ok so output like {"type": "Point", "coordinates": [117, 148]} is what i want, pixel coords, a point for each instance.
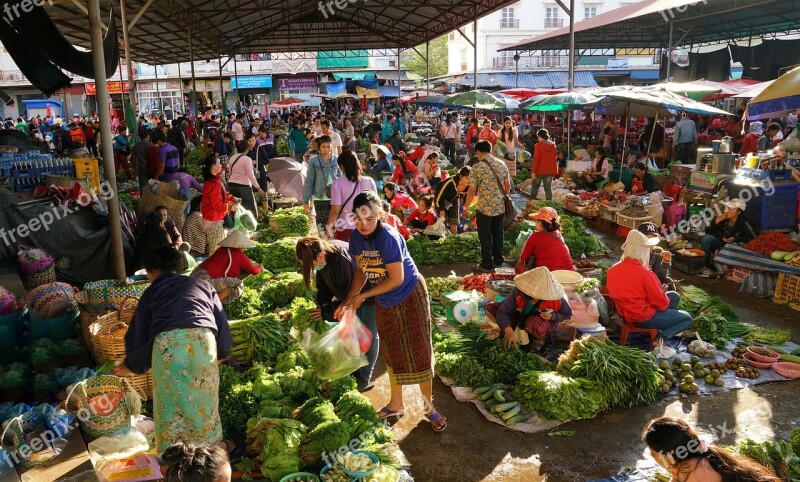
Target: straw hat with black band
{"type": "Point", "coordinates": [237, 239]}
{"type": "Point", "coordinates": [539, 284]}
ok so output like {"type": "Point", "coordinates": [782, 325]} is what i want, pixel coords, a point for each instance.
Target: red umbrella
{"type": "Point", "coordinates": [522, 93]}
{"type": "Point", "coordinates": [289, 102]}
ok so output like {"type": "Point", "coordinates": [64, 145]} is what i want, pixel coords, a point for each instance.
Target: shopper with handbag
{"type": "Point", "coordinates": [225, 266]}
{"type": "Point", "coordinates": [340, 223]}
{"type": "Point", "coordinates": [242, 179]}
{"type": "Point", "coordinates": [217, 205]}
{"type": "Point", "coordinates": [489, 181]}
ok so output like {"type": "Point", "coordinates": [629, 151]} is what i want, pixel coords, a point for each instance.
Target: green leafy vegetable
{"type": "Point", "coordinates": [260, 338]}
{"type": "Point", "coordinates": [462, 248]}
{"type": "Point", "coordinates": [282, 289]}
{"type": "Point", "coordinates": [290, 222]}
{"type": "Point", "coordinates": [558, 397]}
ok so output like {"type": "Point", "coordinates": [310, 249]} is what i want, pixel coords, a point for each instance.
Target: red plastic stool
{"type": "Point", "coordinates": [632, 328]}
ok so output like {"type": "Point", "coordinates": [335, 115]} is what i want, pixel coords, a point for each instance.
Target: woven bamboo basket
{"type": "Point", "coordinates": [87, 318]}
{"type": "Point", "coordinates": [107, 343]}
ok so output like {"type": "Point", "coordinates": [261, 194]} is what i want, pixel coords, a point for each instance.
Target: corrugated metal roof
{"type": "Point", "coordinates": [527, 80]}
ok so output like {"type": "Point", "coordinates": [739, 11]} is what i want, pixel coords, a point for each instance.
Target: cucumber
{"type": "Point", "coordinates": [516, 419]}
{"type": "Point", "coordinates": [507, 415]}
{"type": "Point", "coordinates": [488, 395]}
{"type": "Point", "coordinates": [482, 390]}
{"type": "Point", "coordinates": [499, 395]}
{"type": "Point", "coordinates": [504, 407]}
{"type": "Point", "coordinates": [790, 358]}
{"type": "Point", "coordinates": [491, 403]}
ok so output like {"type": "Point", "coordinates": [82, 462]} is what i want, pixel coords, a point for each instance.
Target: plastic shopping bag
{"type": "Point", "coordinates": [122, 445]}
{"type": "Point", "coordinates": [584, 310]}
{"type": "Point", "coordinates": [245, 221]}
{"type": "Point", "coordinates": [339, 351]}
{"type": "Point", "coordinates": [519, 245]}
{"type": "Point", "coordinates": [437, 229]}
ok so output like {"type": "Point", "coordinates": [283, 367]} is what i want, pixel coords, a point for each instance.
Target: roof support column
{"type": "Point", "coordinates": [103, 101]}
{"type": "Point", "coordinates": [222, 108]}
{"type": "Point", "coordinates": [236, 75]}
{"type": "Point", "coordinates": [131, 86]}
{"type": "Point", "coordinates": [669, 51]}
{"type": "Point", "coordinates": [194, 86]}
{"type": "Point", "coordinates": [571, 80]}
{"type": "Point", "coordinates": [180, 86]}
{"type": "Point", "coordinates": [158, 89]}
{"type": "Point", "coordinates": [398, 75]}
{"type": "Point", "coordinates": [475, 57]}
{"type": "Point", "coordinates": [427, 68]}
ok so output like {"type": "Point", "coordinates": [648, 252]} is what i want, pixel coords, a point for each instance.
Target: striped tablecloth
{"type": "Point", "coordinates": [762, 282]}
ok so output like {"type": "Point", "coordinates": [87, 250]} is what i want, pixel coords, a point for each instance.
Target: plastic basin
{"type": "Point", "coordinates": [787, 369]}
{"type": "Point", "coordinates": [567, 279]}
{"type": "Point", "coordinates": [366, 473]}
{"type": "Point", "coordinates": [748, 358]}
{"type": "Point", "coordinates": [772, 358]}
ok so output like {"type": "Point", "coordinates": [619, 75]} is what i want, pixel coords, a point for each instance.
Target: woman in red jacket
{"type": "Point", "coordinates": [216, 202]}
{"type": "Point", "coordinates": [545, 165]}
{"type": "Point", "coordinates": [640, 297]}
{"type": "Point", "coordinates": [545, 247]}
{"type": "Point", "coordinates": [750, 141]}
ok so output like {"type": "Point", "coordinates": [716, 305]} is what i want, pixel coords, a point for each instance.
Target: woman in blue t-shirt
{"type": "Point", "coordinates": [403, 312]}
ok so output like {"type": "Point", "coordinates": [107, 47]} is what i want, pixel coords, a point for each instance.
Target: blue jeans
{"type": "Point", "coordinates": [671, 321]}
{"type": "Point", "coordinates": [710, 244]}
{"type": "Point", "coordinates": [367, 316]}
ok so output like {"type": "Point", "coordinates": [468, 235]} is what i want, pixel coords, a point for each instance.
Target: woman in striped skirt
{"type": "Point", "coordinates": [385, 270]}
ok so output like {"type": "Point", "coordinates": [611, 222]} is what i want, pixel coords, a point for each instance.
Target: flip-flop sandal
{"type": "Point", "coordinates": [438, 422]}
{"type": "Point", "coordinates": [385, 413]}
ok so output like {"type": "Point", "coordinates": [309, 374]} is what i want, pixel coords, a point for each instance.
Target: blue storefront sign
{"type": "Point", "coordinates": [251, 82]}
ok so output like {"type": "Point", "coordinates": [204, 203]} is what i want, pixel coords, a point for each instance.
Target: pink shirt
{"type": "Point", "coordinates": [343, 190]}
{"type": "Point", "coordinates": [242, 171]}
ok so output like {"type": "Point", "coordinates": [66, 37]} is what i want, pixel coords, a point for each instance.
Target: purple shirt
{"type": "Point", "coordinates": [171, 160]}
{"type": "Point", "coordinates": [386, 246]}
{"type": "Point", "coordinates": [343, 190]}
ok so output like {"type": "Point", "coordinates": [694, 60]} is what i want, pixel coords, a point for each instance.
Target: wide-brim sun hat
{"type": "Point", "coordinates": [539, 284]}
{"type": "Point", "coordinates": [636, 246]}
{"type": "Point", "coordinates": [237, 239]}
{"type": "Point", "coordinates": [546, 214]}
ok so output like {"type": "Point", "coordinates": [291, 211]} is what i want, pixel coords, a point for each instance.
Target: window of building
{"type": "Point", "coordinates": [551, 19]}
{"type": "Point", "coordinates": [589, 11]}
{"type": "Point", "coordinates": [507, 18]}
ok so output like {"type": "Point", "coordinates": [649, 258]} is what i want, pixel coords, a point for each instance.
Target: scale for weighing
{"type": "Point", "coordinates": [460, 307]}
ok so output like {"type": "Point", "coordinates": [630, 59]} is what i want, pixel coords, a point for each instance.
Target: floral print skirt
{"type": "Point", "coordinates": [186, 394]}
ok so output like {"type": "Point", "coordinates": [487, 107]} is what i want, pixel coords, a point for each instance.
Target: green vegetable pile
{"type": "Point", "coordinates": [294, 356]}
{"type": "Point", "coordinates": [462, 248]}
{"type": "Point", "coordinates": [276, 257]}
{"type": "Point", "coordinates": [301, 319]}
{"type": "Point", "coordinates": [290, 222]}
{"type": "Point", "coordinates": [282, 289]}
{"type": "Point", "coordinates": [769, 336]}
{"type": "Point", "coordinates": [588, 284]}
{"type": "Point", "coordinates": [627, 376]}
{"type": "Point", "coordinates": [578, 239]}
{"type": "Point", "coordinates": [557, 397]}
{"type": "Point", "coordinates": [245, 306]}
{"type": "Point", "coordinates": [782, 456]}
{"type": "Point", "coordinates": [471, 358]}
{"type": "Point", "coordinates": [15, 375]}
{"type": "Point", "coordinates": [236, 400]}
{"type": "Point", "coordinates": [510, 237]}
{"type": "Point", "coordinates": [277, 441]}
{"type": "Point", "coordinates": [261, 339]}
{"type": "Point", "coordinates": [714, 320]}
{"type": "Point", "coordinates": [437, 287]}
{"type": "Point", "coordinates": [266, 235]}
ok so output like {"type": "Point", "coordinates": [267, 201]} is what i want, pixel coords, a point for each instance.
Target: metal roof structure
{"type": "Point", "coordinates": [160, 29]}
{"type": "Point", "coordinates": [647, 24]}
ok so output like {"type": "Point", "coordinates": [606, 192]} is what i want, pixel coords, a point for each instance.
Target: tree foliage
{"type": "Point", "coordinates": [437, 54]}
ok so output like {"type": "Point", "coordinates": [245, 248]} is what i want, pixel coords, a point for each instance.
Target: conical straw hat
{"type": "Point", "coordinates": [539, 283]}
{"type": "Point", "coordinates": [236, 239]}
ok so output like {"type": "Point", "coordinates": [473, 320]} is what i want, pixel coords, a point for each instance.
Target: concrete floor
{"type": "Point", "coordinates": [473, 449]}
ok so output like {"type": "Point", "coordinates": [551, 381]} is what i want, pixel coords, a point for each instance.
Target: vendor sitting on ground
{"type": "Point", "coordinates": [639, 296]}
{"type": "Point", "coordinates": [598, 172]}
{"type": "Point", "coordinates": [172, 230]}
{"type": "Point", "coordinates": [729, 227]}
{"type": "Point", "coordinates": [534, 307]}
{"type": "Point", "coordinates": [395, 222]}
{"type": "Point", "coordinates": [660, 258]}
{"type": "Point", "coordinates": [780, 153]}
{"type": "Point", "coordinates": [399, 200]}
{"type": "Point", "coordinates": [422, 217]}
{"type": "Point", "coordinates": [192, 230]}
{"type": "Point", "coordinates": [229, 259]}
{"type": "Point", "coordinates": [642, 182]}
{"type": "Point", "coordinates": [152, 237]}
{"type": "Point", "coordinates": [546, 246]}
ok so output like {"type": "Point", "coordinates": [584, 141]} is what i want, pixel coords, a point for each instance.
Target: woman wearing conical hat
{"type": "Point", "coordinates": [532, 310]}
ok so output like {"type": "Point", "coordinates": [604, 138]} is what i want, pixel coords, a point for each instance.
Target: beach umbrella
{"type": "Point", "coordinates": [432, 101]}
{"type": "Point", "coordinates": [692, 90]}
{"type": "Point", "coordinates": [288, 176]}
{"type": "Point", "coordinates": [477, 99]}
{"type": "Point", "coordinates": [778, 99]}
{"type": "Point", "coordinates": [568, 101]}
{"type": "Point", "coordinates": [289, 102]}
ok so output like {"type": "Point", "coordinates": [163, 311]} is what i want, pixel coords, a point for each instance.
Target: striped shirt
{"type": "Point", "coordinates": [193, 233]}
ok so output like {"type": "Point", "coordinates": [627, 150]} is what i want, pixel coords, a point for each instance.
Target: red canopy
{"type": "Point", "coordinates": [729, 88]}
{"type": "Point", "coordinates": [523, 93]}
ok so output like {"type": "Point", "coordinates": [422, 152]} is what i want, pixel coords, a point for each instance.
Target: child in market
{"type": "Point", "coordinates": [188, 463]}
{"type": "Point", "coordinates": [422, 217]}
{"type": "Point", "coordinates": [395, 222]}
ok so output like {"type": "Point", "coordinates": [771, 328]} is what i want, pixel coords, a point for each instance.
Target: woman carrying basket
{"type": "Point", "coordinates": [179, 330]}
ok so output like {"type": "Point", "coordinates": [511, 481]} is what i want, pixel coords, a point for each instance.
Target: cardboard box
{"type": "Point", "coordinates": [72, 461]}
{"type": "Point", "coordinates": [87, 171]}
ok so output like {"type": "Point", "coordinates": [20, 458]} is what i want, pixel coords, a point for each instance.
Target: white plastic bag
{"type": "Point", "coordinates": [584, 310]}
{"type": "Point", "coordinates": [339, 351]}
{"type": "Point", "coordinates": [123, 445]}
{"type": "Point", "coordinates": [437, 229]}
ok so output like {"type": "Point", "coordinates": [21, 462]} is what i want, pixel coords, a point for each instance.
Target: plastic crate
{"type": "Point", "coordinates": [737, 274]}
{"type": "Point", "coordinates": [774, 174]}
{"type": "Point", "coordinates": [632, 223]}
{"type": "Point", "coordinates": [24, 187]}
{"type": "Point", "coordinates": [688, 264]}
{"type": "Point", "coordinates": [18, 173]}
{"type": "Point", "coordinates": [623, 231]}
{"type": "Point", "coordinates": [787, 291]}
{"type": "Point", "coordinates": [605, 213]}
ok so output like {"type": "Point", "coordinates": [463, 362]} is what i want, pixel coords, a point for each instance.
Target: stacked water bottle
{"type": "Point", "coordinates": [30, 169]}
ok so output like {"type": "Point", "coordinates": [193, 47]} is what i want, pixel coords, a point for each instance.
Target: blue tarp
{"type": "Point", "coordinates": [390, 91]}
{"type": "Point", "coordinates": [549, 80]}
{"type": "Point", "coordinates": [644, 75]}
{"type": "Point", "coordinates": [335, 88]}
{"type": "Point", "coordinates": [368, 84]}
{"type": "Point", "coordinates": [763, 281]}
